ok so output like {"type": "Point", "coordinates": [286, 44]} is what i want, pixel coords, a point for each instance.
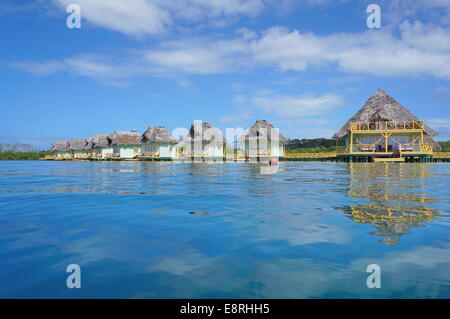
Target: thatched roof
{"type": "Point", "coordinates": [80, 144]}
{"type": "Point", "coordinates": [378, 108]}
{"type": "Point", "coordinates": [59, 146]}
{"type": "Point", "coordinates": [99, 140]}
{"type": "Point", "coordinates": [261, 130]}
{"type": "Point", "coordinates": [205, 132]}
{"type": "Point", "coordinates": [158, 134]}
{"type": "Point", "coordinates": [125, 138]}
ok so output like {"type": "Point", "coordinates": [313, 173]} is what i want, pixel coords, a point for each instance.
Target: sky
{"type": "Point", "coordinates": [306, 66]}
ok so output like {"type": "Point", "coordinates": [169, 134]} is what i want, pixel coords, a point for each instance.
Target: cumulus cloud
{"type": "Point", "coordinates": [416, 50]}
{"type": "Point", "coordinates": [134, 17]}
{"type": "Point", "coordinates": [152, 17]}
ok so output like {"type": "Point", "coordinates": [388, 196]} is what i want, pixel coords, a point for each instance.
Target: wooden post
{"type": "Point", "coordinates": [351, 142]}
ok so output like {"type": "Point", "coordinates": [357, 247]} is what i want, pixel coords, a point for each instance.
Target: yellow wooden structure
{"type": "Point", "coordinates": [385, 139]}
{"type": "Point", "coordinates": [310, 155]}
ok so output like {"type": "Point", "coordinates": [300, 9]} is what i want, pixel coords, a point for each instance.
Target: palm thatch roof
{"type": "Point", "coordinates": [381, 107]}
{"type": "Point", "coordinates": [59, 146]}
{"type": "Point", "coordinates": [81, 144]}
{"type": "Point", "coordinates": [99, 140]}
{"type": "Point", "coordinates": [158, 134]}
{"type": "Point", "coordinates": [204, 132]}
{"type": "Point", "coordinates": [261, 130]}
{"type": "Point", "coordinates": [125, 138]}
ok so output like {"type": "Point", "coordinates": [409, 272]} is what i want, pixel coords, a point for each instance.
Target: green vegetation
{"type": "Point", "coordinates": [22, 156]}
{"type": "Point", "coordinates": [311, 150]}
{"type": "Point", "coordinates": [445, 145]}
{"type": "Point", "coordinates": [315, 145]}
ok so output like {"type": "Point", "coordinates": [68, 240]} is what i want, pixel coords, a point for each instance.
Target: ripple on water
{"type": "Point", "coordinates": [309, 230]}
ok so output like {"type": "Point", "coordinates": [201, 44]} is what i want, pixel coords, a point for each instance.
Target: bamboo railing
{"type": "Point", "coordinates": [386, 126]}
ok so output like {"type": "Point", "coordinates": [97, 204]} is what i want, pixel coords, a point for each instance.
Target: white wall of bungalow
{"type": "Point", "coordinates": [262, 139]}
{"type": "Point", "coordinates": [164, 150]}
{"type": "Point", "coordinates": [157, 141]}
{"type": "Point", "coordinates": [127, 151]}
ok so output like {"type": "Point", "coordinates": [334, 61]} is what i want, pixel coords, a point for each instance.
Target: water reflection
{"type": "Point", "coordinates": [397, 197]}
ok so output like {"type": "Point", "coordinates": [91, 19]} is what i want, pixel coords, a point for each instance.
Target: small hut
{"type": "Point", "coordinates": [59, 149]}
{"type": "Point", "coordinates": [100, 146]}
{"type": "Point", "coordinates": [79, 148]}
{"type": "Point", "coordinates": [262, 140]}
{"type": "Point", "coordinates": [203, 141]}
{"type": "Point", "coordinates": [126, 144]}
{"type": "Point", "coordinates": [157, 142]}
{"type": "Point", "coordinates": [384, 128]}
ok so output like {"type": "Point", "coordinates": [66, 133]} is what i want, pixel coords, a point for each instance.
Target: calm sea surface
{"type": "Point", "coordinates": [164, 230]}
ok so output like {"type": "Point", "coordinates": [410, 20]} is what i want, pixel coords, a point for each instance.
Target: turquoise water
{"type": "Point", "coordinates": [163, 230]}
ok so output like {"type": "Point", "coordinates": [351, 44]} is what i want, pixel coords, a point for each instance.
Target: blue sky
{"type": "Point", "coordinates": [306, 65]}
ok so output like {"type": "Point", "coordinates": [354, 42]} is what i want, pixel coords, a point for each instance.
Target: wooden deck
{"type": "Point", "coordinates": [381, 159]}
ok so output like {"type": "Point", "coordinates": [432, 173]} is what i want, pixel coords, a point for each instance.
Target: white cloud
{"type": "Point", "coordinates": [152, 17]}
{"type": "Point", "coordinates": [442, 126]}
{"type": "Point", "coordinates": [396, 11]}
{"type": "Point", "coordinates": [418, 50]}
{"type": "Point", "coordinates": [40, 68]}
{"type": "Point", "coordinates": [237, 116]}
{"type": "Point", "coordinates": [296, 106]}
{"type": "Point", "coordinates": [442, 93]}
{"type": "Point", "coordinates": [201, 9]}
{"type": "Point", "coordinates": [197, 56]}
{"type": "Point", "coordinates": [133, 17]}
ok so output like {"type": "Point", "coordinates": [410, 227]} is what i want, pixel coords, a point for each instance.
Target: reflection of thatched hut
{"type": "Point", "coordinates": [126, 144]}
{"type": "Point", "coordinates": [59, 149]}
{"type": "Point", "coordinates": [391, 221]}
{"type": "Point", "coordinates": [100, 145]}
{"type": "Point", "coordinates": [203, 140]}
{"type": "Point", "coordinates": [79, 148]}
{"type": "Point", "coordinates": [384, 127]}
{"type": "Point", "coordinates": [158, 142]}
{"type": "Point", "coordinates": [262, 140]}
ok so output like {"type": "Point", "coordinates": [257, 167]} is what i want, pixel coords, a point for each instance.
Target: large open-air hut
{"type": "Point", "coordinates": [79, 148]}
{"type": "Point", "coordinates": [126, 144]}
{"type": "Point", "coordinates": [157, 142]}
{"type": "Point", "coordinates": [203, 142]}
{"type": "Point", "coordinates": [262, 140]}
{"type": "Point", "coordinates": [383, 128]}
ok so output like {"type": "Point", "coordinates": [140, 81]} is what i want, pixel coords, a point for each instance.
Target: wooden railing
{"type": "Point", "coordinates": [403, 148]}
{"type": "Point", "coordinates": [310, 155]}
{"type": "Point", "coordinates": [386, 126]}
{"type": "Point", "coordinates": [441, 155]}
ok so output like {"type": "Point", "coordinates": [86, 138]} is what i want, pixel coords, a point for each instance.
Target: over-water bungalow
{"type": "Point", "coordinates": [79, 148]}
{"type": "Point", "coordinates": [157, 142]}
{"type": "Point", "coordinates": [126, 144]}
{"type": "Point", "coordinates": [262, 141]}
{"type": "Point", "coordinates": [59, 149]}
{"type": "Point", "coordinates": [101, 147]}
{"type": "Point", "coordinates": [385, 130]}
{"type": "Point", "coordinates": [203, 142]}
